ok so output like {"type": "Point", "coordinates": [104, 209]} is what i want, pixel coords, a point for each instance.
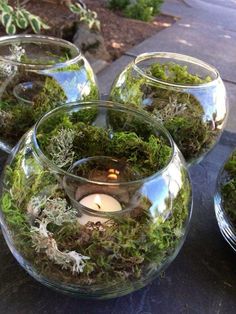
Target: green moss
{"type": "Point", "coordinates": [144, 155]}
{"type": "Point", "coordinates": [190, 137]}
{"type": "Point", "coordinates": [19, 187]}
{"type": "Point", "coordinates": [228, 188]}
{"type": "Point", "coordinates": [20, 116]}
{"type": "Point", "coordinates": [89, 141]}
{"type": "Point", "coordinates": [180, 112]}
{"type": "Point", "coordinates": [175, 73]}
{"type": "Point", "coordinates": [230, 166]}
{"type": "Point", "coordinates": [130, 90]}
{"type": "Point", "coordinates": [86, 116]}
{"type": "Point", "coordinates": [63, 55]}
{"type": "Point", "coordinates": [121, 250]}
{"type": "Point", "coordinates": [17, 116]}
{"type": "Point", "coordinates": [50, 97]}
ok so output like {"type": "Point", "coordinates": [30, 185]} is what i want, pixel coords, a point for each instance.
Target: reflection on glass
{"type": "Point", "coordinates": [37, 74]}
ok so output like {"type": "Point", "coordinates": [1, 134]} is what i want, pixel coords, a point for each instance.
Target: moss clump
{"type": "Point", "coordinates": [86, 116]}
{"type": "Point", "coordinates": [145, 155]}
{"type": "Point", "coordinates": [121, 251]}
{"type": "Point", "coordinates": [18, 117]}
{"type": "Point", "coordinates": [51, 96]}
{"type": "Point", "coordinates": [20, 188]}
{"type": "Point", "coordinates": [228, 188]}
{"type": "Point", "coordinates": [55, 86]}
{"type": "Point", "coordinates": [190, 137]}
{"type": "Point", "coordinates": [174, 73]}
{"type": "Point", "coordinates": [180, 112]}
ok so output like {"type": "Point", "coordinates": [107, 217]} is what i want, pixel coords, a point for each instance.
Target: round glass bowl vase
{"type": "Point", "coordinates": [96, 200]}
{"type": "Point", "coordinates": [225, 201]}
{"type": "Point", "coordinates": [37, 74]}
{"type": "Point", "coordinates": [184, 93]}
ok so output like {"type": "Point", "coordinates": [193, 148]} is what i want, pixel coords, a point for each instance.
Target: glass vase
{"type": "Point", "coordinates": [186, 94]}
{"type": "Point", "coordinates": [96, 200]}
{"type": "Point", "coordinates": [37, 74]}
{"type": "Point", "coordinates": [225, 201]}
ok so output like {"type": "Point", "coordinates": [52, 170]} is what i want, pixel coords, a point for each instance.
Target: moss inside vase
{"type": "Point", "coordinates": [46, 229]}
{"type": "Point", "coordinates": [18, 116]}
{"type": "Point", "coordinates": [67, 139]}
{"type": "Point", "coordinates": [118, 251]}
{"type": "Point", "coordinates": [27, 94]}
{"type": "Point", "coordinates": [228, 188]}
{"type": "Point", "coordinates": [180, 112]}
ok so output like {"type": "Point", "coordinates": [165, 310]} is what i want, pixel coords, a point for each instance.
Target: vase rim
{"type": "Point", "coordinates": [180, 57]}
{"type": "Point", "coordinates": [30, 38]}
{"type": "Point", "coordinates": [108, 105]}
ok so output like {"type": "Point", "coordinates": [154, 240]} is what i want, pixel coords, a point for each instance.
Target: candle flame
{"type": "Point", "coordinates": [97, 201]}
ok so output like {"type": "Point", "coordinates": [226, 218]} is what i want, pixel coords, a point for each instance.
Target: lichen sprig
{"type": "Point", "coordinates": [61, 147]}
{"type": "Point", "coordinates": [56, 212]}
{"type": "Point", "coordinates": [43, 242]}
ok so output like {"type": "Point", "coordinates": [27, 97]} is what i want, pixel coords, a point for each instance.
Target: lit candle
{"type": "Point", "coordinates": [98, 202]}
{"type": "Point", "coordinates": [101, 202]}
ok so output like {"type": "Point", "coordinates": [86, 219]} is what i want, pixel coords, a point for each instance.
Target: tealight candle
{"type": "Point", "coordinates": [101, 202]}
{"type": "Point", "coordinates": [98, 202]}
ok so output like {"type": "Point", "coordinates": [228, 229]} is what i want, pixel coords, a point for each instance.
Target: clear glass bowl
{"type": "Point", "coordinates": [37, 74]}
{"type": "Point", "coordinates": [96, 200]}
{"type": "Point", "coordinates": [225, 201]}
{"type": "Point", "coordinates": [184, 93]}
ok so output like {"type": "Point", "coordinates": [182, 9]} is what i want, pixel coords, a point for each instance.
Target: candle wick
{"type": "Point", "coordinates": [98, 206]}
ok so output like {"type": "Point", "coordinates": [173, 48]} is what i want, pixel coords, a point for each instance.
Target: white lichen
{"type": "Point", "coordinates": [40, 235]}
{"type": "Point", "coordinates": [35, 206]}
{"type": "Point", "coordinates": [43, 242]}
{"type": "Point", "coordinates": [172, 108]}
{"type": "Point", "coordinates": [57, 212]}
{"type": "Point", "coordinates": [61, 147]}
{"type": "Point", "coordinates": [67, 260]}
{"type": "Point", "coordinates": [178, 232]}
